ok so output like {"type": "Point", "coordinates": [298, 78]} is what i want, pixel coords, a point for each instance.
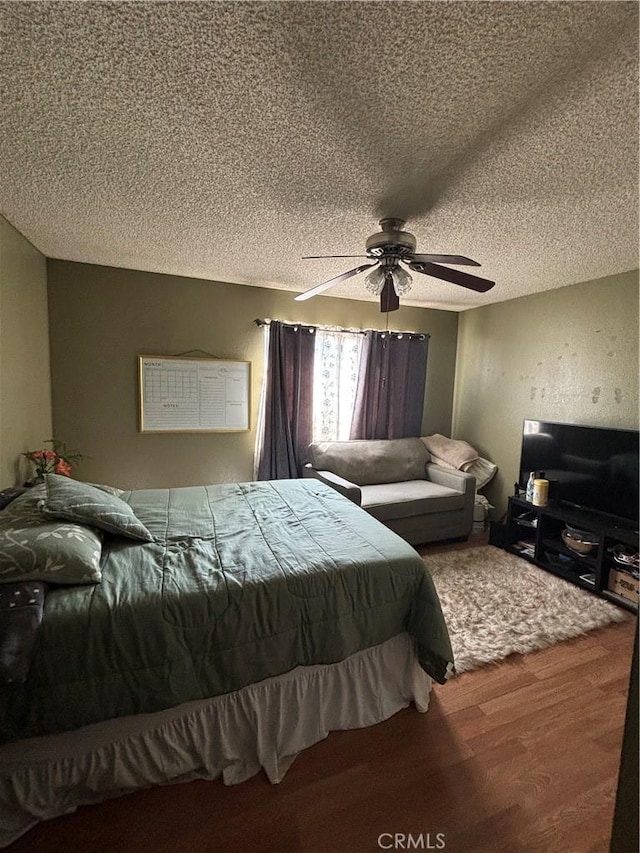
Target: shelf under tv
{"type": "Point", "coordinates": [540, 528]}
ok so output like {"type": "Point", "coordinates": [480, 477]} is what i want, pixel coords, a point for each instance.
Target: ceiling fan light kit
{"type": "Point", "coordinates": [390, 247]}
{"type": "Point", "coordinates": [374, 282]}
{"type": "Point", "coordinates": [402, 281]}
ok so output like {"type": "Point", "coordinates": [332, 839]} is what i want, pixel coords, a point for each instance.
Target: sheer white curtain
{"type": "Point", "coordinates": [335, 379]}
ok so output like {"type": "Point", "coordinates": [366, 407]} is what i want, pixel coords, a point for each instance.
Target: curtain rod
{"type": "Point", "coordinates": [420, 335]}
{"type": "Point", "coordinates": [312, 326]}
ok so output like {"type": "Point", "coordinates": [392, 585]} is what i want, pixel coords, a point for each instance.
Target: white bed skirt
{"type": "Point", "coordinates": [262, 726]}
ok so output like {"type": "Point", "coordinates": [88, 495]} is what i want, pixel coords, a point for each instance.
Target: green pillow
{"type": "Point", "coordinates": [87, 504]}
{"type": "Point", "coordinates": [112, 490]}
{"type": "Point", "coordinates": [35, 548]}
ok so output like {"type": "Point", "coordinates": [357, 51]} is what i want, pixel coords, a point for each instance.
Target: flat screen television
{"type": "Point", "coordinates": [591, 468]}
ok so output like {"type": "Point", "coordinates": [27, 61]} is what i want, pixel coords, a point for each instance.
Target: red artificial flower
{"type": "Point", "coordinates": [50, 461]}
{"type": "Point", "coordinates": [63, 467]}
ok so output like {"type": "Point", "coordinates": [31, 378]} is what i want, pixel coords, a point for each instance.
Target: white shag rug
{"type": "Point", "coordinates": [496, 604]}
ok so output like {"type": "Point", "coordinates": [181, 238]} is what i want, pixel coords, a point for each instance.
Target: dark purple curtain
{"type": "Point", "coordinates": [391, 381]}
{"type": "Point", "coordinates": [288, 413]}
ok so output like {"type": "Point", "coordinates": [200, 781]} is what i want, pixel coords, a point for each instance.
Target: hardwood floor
{"type": "Point", "coordinates": [518, 756]}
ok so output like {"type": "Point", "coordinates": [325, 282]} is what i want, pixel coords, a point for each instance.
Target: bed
{"type": "Point", "coordinates": [216, 631]}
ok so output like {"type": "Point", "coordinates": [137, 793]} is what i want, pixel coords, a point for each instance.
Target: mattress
{"type": "Point", "coordinates": [242, 582]}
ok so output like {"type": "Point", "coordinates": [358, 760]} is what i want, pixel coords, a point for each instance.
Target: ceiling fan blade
{"type": "Point", "coordinates": [320, 288]}
{"type": "Point", "coordinates": [315, 257]}
{"type": "Point", "coordinates": [388, 297]}
{"type": "Point", "coordinates": [460, 260]}
{"type": "Point", "coordinates": [464, 279]}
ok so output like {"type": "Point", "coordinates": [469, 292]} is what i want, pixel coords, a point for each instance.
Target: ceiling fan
{"type": "Point", "coordinates": [386, 250]}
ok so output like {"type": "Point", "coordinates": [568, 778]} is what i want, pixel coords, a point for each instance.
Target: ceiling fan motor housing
{"type": "Point", "coordinates": [391, 240]}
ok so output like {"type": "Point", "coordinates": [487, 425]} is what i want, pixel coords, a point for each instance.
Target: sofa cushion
{"type": "Point", "coordinates": [365, 463]}
{"type": "Point", "coordinates": [415, 497]}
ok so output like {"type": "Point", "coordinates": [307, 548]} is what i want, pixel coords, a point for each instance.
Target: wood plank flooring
{"type": "Point", "coordinates": [518, 756]}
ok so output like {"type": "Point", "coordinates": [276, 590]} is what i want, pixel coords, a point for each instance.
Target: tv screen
{"type": "Point", "coordinates": [594, 468]}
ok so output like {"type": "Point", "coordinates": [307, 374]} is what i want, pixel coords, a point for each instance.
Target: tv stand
{"type": "Point", "coordinates": [534, 533]}
{"type": "Point", "coordinates": [599, 519]}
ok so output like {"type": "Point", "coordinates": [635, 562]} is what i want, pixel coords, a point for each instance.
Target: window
{"type": "Point", "coordinates": [312, 378]}
{"type": "Point", "coordinates": [335, 378]}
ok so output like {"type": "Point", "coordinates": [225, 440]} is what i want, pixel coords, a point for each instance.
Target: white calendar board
{"type": "Point", "coordinates": [193, 394]}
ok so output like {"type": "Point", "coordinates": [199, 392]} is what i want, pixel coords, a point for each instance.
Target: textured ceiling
{"type": "Point", "coordinates": [227, 140]}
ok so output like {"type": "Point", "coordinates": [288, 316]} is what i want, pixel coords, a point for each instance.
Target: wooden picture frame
{"type": "Point", "coordinates": [187, 394]}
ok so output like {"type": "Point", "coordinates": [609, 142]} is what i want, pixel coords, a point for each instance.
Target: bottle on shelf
{"type": "Point", "coordinates": [529, 491]}
{"type": "Point", "coordinates": [540, 492]}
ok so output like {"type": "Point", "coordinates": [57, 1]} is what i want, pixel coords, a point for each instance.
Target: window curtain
{"type": "Point", "coordinates": [391, 382]}
{"type": "Point", "coordinates": [334, 384]}
{"type": "Point", "coordinates": [287, 414]}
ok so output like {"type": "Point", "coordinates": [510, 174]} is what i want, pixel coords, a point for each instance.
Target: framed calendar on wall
{"type": "Point", "coordinates": [179, 394]}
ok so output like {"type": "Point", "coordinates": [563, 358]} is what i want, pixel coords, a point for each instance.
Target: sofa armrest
{"type": "Point", "coordinates": [345, 487]}
{"type": "Point", "coordinates": [458, 480]}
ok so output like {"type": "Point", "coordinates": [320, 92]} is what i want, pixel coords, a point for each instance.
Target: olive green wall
{"type": "Point", "coordinates": [102, 318]}
{"type": "Point", "coordinates": [25, 382]}
{"type": "Point", "coordinates": [568, 355]}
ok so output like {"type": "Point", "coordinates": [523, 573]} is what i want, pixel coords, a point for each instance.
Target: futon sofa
{"type": "Point", "coordinates": [395, 481]}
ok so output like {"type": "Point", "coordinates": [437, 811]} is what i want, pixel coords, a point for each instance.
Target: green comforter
{"type": "Point", "coordinates": [242, 582]}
